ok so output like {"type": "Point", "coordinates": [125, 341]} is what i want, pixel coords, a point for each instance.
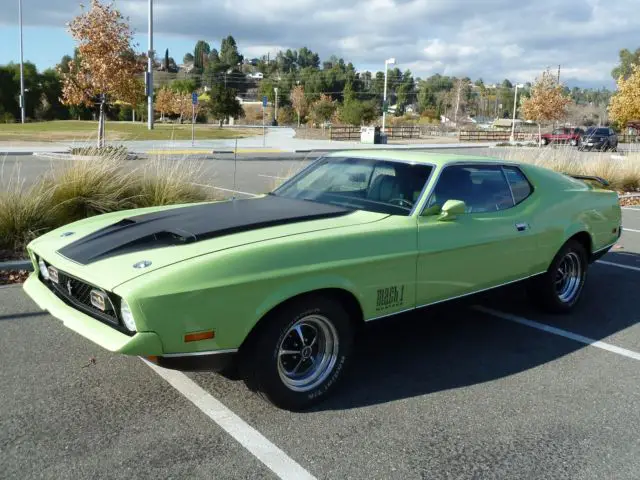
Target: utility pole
{"type": "Point", "coordinates": [150, 69]}
{"type": "Point", "coordinates": [458, 102]}
{"type": "Point", "coordinates": [390, 61]}
{"type": "Point", "coordinates": [558, 74]}
{"type": "Point", "coordinates": [22, 105]}
{"type": "Point", "coordinates": [275, 115]}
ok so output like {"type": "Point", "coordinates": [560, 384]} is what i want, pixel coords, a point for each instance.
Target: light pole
{"type": "Point", "coordinates": [515, 104]}
{"type": "Point", "coordinates": [150, 70]}
{"type": "Point", "coordinates": [390, 61]}
{"type": "Point", "coordinates": [22, 106]}
{"type": "Point", "coordinates": [275, 115]}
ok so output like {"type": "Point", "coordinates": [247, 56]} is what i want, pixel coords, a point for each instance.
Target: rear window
{"type": "Point", "coordinates": [519, 184]}
{"type": "Point", "coordinates": [598, 131]}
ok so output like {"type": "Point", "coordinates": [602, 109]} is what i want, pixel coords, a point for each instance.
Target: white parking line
{"type": "Point", "coordinates": [275, 459]}
{"type": "Point", "coordinates": [225, 189]}
{"type": "Point", "coordinates": [630, 230]}
{"type": "Point", "coordinates": [631, 208]}
{"type": "Point", "coordinates": [272, 176]}
{"type": "Point", "coordinates": [557, 331]}
{"type": "Point", "coordinates": [619, 265]}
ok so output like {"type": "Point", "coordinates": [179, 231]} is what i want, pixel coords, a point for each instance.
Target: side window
{"type": "Point", "coordinates": [558, 131]}
{"type": "Point", "coordinates": [482, 188]}
{"type": "Point", "coordinates": [520, 186]}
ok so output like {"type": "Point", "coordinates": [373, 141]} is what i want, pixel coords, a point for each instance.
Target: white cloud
{"type": "Point", "coordinates": [492, 39]}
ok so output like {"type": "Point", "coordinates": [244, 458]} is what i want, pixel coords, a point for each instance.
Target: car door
{"type": "Point", "coordinates": [491, 244]}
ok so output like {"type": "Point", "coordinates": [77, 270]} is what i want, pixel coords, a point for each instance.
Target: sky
{"type": "Point", "coordinates": [488, 39]}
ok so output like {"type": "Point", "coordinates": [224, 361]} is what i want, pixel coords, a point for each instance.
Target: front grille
{"type": "Point", "coordinates": [77, 293]}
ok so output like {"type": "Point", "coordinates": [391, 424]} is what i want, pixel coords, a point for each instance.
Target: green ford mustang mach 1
{"type": "Point", "coordinates": [277, 286]}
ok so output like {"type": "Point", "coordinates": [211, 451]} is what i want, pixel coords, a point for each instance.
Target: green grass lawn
{"type": "Point", "coordinates": [61, 130]}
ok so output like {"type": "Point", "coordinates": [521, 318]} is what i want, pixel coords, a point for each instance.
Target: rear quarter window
{"type": "Point", "coordinates": [520, 186]}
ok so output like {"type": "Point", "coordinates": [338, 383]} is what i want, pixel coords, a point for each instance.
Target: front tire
{"type": "Point", "coordinates": [560, 288]}
{"type": "Point", "coordinates": [295, 359]}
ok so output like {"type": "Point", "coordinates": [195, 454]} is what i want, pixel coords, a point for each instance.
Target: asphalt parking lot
{"type": "Point", "coordinates": [484, 389]}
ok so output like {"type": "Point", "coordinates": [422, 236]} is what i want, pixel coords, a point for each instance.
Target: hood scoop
{"type": "Point", "coordinates": [185, 225]}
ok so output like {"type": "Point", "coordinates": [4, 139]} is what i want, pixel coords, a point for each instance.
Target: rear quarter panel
{"type": "Point", "coordinates": [568, 206]}
{"type": "Point", "coordinates": [231, 290]}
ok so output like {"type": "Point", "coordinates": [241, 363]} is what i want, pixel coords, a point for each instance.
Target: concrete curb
{"type": "Point", "coordinates": [17, 265]}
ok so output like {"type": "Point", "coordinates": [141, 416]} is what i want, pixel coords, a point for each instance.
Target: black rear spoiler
{"type": "Point", "coordinates": [600, 180]}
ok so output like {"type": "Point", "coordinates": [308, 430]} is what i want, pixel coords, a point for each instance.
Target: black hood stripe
{"type": "Point", "coordinates": [194, 223]}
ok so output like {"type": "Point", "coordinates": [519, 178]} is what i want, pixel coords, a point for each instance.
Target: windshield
{"type": "Point", "coordinates": [598, 131]}
{"type": "Point", "coordinates": [360, 183]}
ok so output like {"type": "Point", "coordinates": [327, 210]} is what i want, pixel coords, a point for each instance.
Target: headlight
{"type": "Point", "coordinates": [127, 316]}
{"type": "Point", "coordinates": [43, 269]}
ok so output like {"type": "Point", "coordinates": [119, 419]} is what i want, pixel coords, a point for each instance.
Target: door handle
{"type": "Point", "coordinates": [521, 227]}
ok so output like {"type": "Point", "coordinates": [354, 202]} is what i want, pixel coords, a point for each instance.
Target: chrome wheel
{"type": "Point", "coordinates": [568, 278]}
{"type": "Point", "coordinates": [307, 353]}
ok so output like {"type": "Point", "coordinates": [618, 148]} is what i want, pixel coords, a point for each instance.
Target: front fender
{"type": "Point", "coordinates": [293, 289]}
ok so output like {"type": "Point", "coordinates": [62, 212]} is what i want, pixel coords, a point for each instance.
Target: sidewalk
{"type": "Point", "coordinates": [277, 140]}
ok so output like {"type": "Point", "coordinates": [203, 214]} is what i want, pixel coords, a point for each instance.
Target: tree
{"type": "Point", "coordinates": [63, 66]}
{"type": "Point", "coordinates": [165, 100]}
{"type": "Point", "coordinates": [323, 109]}
{"type": "Point", "coordinates": [358, 113]}
{"type": "Point", "coordinates": [183, 86]}
{"type": "Point", "coordinates": [547, 101]}
{"type": "Point", "coordinates": [299, 101]}
{"type": "Point", "coordinates": [625, 103]}
{"type": "Point", "coordinates": [200, 54]}
{"type": "Point", "coordinates": [166, 60]}
{"type": "Point", "coordinates": [229, 55]}
{"type": "Point", "coordinates": [107, 65]}
{"type": "Point", "coordinates": [188, 58]}
{"type": "Point", "coordinates": [223, 103]}
{"type": "Point", "coordinates": [627, 60]}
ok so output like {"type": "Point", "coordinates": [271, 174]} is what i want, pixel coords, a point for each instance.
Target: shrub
{"type": "Point", "coordinates": [24, 214]}
{"type": "Point", "coordinates": [117, 151]}
{"type": "Point", "coordinates": [163, 182]}
{"type": "Point", "coordinates": [86, 188]}
{"type": "Point", "coordinates": [286, 115]}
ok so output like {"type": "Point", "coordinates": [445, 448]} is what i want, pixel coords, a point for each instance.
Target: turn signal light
{"type": "Point", "coordinates": [194, 337]}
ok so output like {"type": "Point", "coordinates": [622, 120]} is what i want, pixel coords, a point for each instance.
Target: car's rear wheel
{"type": "Point", "coordinates": [559, 289]}
{"type": "Point", "coordinates": [544, 141]}
{"type": "Point", "coordinates": [574, 142]}
{"type": "Point", "coordinates": [298, 355]}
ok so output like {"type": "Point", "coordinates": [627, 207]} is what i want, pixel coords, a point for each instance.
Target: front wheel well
{"type": "Point", "coordinates": [344, 297]}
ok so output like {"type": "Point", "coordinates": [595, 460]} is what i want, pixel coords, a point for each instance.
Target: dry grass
{"type": "Point", "coordinates": [622, 173]}
{"type": "Point", "coordinates": [163, 182]}
{"type": "Point", "coordinates": [84, 188]}
{"type": "Point", "coordinates": [24, 214]}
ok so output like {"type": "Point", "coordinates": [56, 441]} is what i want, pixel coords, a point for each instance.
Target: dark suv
{"type": "Point", "coordinates": [599, 138]}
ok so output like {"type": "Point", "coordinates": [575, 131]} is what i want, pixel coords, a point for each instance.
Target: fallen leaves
{"type": "Point", "coordinates": [10, 277]}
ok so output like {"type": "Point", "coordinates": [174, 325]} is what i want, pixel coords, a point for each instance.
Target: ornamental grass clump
{"type": "Point", "coordinates": [169, 182]}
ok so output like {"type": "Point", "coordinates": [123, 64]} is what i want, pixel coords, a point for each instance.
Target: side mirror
{"type": "Point", "coordinates": [451, 209]}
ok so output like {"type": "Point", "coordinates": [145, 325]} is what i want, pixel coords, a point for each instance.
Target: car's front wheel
{"type": "Point", "coordinates": [559, 289]}
{"type": "Point", "coordinates": [299, 353]}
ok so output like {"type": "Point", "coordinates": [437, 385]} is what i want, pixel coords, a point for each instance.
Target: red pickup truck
{"type": "Point", "coordinates": [563, 135]}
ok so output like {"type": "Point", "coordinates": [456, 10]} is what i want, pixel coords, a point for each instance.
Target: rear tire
{"type": "Point", "coordinates": [544, 141]}
{"type": "Point", "coordinates": [559, 289]}
{"type": "Point", "coordinates": [295, 359]}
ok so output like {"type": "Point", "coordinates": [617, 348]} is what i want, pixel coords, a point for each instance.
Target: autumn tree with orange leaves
{"type": "Point", "coordinates": [106, 66]}
{"type": "Point", "coordinates": [164, 101]}
{"type": "Point", "coordinates": [625, 103]}
{"type": "Point", "coordinates": [547, 101]}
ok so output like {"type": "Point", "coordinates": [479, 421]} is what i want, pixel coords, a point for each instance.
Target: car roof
{"type": "Point", "coordinates": [437, 159]}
